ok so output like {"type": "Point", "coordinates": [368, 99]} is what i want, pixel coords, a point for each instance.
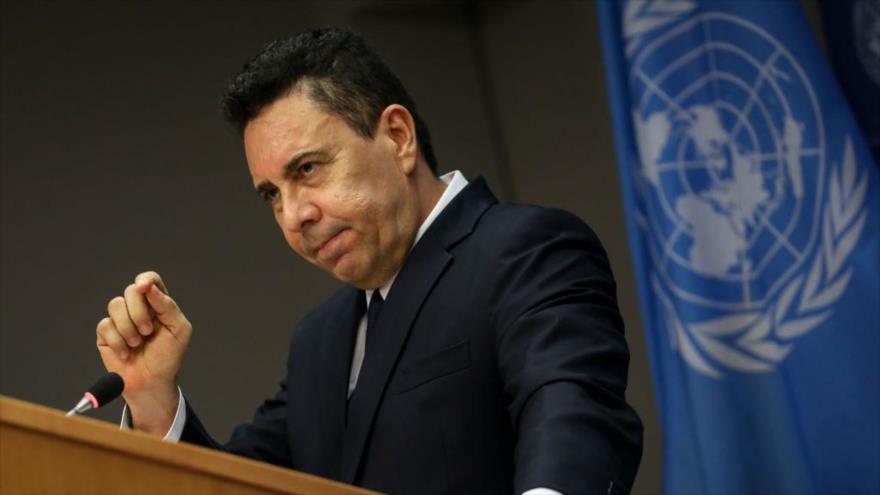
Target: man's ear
{"type": "Point", "coordinates": [397, 124]}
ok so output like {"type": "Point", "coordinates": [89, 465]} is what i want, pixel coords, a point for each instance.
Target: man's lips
{"type": "Point", "coordinates": [327, 243]}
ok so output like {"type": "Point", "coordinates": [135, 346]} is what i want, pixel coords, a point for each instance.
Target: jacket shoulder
{"type": "Point", "coordinates": [529, 224]}
{"type": "Point", "coordinates": [310, 325]}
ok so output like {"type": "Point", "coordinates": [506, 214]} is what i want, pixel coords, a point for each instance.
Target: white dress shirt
{"type": "Point", "coordinates": [455, 182]}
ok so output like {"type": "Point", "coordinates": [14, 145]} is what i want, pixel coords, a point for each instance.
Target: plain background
{"type": "Point", "coordinates": [114, 160]}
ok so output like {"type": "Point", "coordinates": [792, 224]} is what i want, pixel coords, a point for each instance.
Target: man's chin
{"type": "Point", "coordinates": [358, 278]}
{"type": "Point", "coordinates": [345, 271]}
{"type": "Point", "coordinates": [357, 271]}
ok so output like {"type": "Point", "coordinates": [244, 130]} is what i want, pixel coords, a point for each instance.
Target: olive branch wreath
{"type": "Point", "coordinates": [752, 341]}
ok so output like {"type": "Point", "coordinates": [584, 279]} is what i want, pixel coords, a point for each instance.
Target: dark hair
{"type": "Point", "coordinates": [338, 72]}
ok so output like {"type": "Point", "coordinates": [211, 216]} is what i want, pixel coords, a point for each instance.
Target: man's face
{"type": "Point", "coordinates": [343, 202]}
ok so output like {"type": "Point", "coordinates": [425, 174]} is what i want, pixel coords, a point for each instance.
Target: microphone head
{"type": "Point", "coordinates": [107, 388]}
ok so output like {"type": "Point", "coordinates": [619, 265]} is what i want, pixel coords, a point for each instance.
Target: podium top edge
{"type": "Point", "coordinates": [16, 413]}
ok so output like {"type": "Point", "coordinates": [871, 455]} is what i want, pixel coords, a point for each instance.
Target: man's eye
{"type": "Point", "coordinates": [307, 168]}
{"type": "Point", "coordinates": [269, 195]}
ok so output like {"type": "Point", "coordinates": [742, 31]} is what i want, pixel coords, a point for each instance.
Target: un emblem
{"type": "Point", "coordinates": [747, 229]}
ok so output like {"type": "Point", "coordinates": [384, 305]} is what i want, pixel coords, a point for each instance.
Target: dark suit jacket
{"type": "Point", "coordinates": [498, 364]}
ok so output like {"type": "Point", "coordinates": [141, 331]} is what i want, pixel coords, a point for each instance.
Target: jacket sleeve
{"type": "Point", "coordinates": [264, 438]}
{"type": "Point", "coordinates": [563, 358]}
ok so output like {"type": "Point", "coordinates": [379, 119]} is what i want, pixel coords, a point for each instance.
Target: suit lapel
{"type": "Point", "coordinates": [330, 392]}
{"type": "Point", "coordinates": [423, 268]}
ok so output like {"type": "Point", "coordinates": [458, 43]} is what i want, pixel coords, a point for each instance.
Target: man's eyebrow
{"type": "Point", "coordinates": [291, 166]}
{"type": "Point", "coordinates": [263, 187]}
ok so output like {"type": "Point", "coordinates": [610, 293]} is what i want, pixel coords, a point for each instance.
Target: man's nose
{"type": "Point", "coordinates": [299, 213]}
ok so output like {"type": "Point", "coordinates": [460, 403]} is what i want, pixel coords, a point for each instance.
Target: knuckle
{"type": "Point", "coordinates": [114, 303]}
{"type": "Point", "coordinates": [112, 339]}
{"type": "Point", "coordinates": [135, 304]}
{"type": "Point", "coordinates": [125, 331]}
{"type": "Point", "coordinates": [147, 275]}
{"type": "Point", "coordinates": [102, 326]}
{"type": "Point", "coordinates": [138, 319]}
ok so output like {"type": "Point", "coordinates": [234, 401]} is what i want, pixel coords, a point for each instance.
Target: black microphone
{"type": "Point", "coordinates": [107, 388]}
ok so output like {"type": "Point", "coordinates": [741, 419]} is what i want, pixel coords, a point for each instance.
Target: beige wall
{"type": "Point", "coordinates": [113, 159]}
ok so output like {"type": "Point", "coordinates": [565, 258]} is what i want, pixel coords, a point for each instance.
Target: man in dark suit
{"type": "Point", "coordinates": [478, 346]}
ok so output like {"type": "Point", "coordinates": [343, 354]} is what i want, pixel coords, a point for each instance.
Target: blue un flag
{"type": "Point", "coordinates": [753, 210]}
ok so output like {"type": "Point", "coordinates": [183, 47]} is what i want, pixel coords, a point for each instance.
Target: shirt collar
{"type": "Point", "coordinates": [455, 182]}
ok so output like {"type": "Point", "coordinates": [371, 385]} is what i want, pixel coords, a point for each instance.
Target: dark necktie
{"type": "Point", "coordinates": [376, 302]}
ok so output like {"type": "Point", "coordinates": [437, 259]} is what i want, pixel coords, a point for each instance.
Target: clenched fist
{"type": "Point", "coordinates": [144, 339]}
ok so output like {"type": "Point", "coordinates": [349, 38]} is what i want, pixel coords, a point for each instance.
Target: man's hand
{"type": "Point", "coordinates": [144, 339]}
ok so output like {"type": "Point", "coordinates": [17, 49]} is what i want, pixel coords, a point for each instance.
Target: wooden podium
{"type": "Point", "coordinates": [42, 451]}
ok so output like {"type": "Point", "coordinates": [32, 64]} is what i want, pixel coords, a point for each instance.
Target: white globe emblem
{"type": "Point", "coordinates": [732, 154]}
{"type": "Point", "coordinates": [749, 235]}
